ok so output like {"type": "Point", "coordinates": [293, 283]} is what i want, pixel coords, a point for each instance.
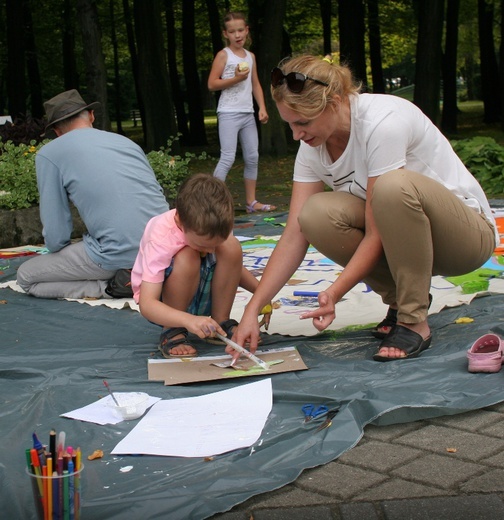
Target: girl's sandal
{"type": "Point", "coordinates": [167, 343]}
{"type": "Point", "coordinates": [265, 208]}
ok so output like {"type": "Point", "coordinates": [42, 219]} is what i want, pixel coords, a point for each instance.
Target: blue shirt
{"type": "Point", "coordinates": [111, 183]}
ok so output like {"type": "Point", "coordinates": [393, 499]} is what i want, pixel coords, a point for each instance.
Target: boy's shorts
{"type": "Point", "coordinates": [201, 304]}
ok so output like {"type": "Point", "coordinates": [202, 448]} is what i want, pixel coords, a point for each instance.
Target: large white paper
{"type": "Point", "coordinates": [100, 412]}
{"type": "Point", "coordinates": [202, 426]}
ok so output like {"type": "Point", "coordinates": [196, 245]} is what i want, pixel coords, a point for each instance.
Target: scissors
{"type": "Point", "coordinates": [328, 420]}
{"type": "Point", "coordinates": [311, 412]}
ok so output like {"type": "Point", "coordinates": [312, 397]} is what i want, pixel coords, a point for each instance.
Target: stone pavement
{"type": "Point", "coordinates": [445, 468]}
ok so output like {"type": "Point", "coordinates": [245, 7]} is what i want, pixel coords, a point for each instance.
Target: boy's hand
{"type": "Point", "coordinates": [204, 327]}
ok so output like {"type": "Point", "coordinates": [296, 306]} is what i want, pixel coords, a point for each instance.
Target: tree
{"type": "Point", "coordinates": [96, 75]}
{"type": "Point", "coordinates": [70, 74]}
{"type": "Point", "coordinates": [491, 89]}
{"type": "Point", "coordinates": [34, 82]}
{"type": "Point", "coordinates": [375, 47]}
{"type": "Point", "coordinates": [449, 116]}
{"type": "Point", "coordinates": [326, 15]}
{"type": "Point", "coordinates": [16, 80]}
{"type": "Point", "coordinates": [133, 57]}
{"type": "Point", "coordinates": [268, 52]}
{"type": "Point", "coordinates": [501, 63]}
{"type": "Point", "coordinates": [154, 82]}
{"type": "Point", "coordinates": [197, 130]}
{"type": "Point", "coordinates": [117, 80]}
{"type": "Point", "coordinates": [352, 31]}
{"type": "Point", "coordinates": [178, 99]}
{"type": "Point", "coordinates": [428, 58]}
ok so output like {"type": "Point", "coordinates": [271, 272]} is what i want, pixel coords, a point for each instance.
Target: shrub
{"type": "Point", "coordinates": [484, 158]}
{"type": "Point", "coordinates": [23, 131]}
{"type": "Point", "coordinates": [171, 170]}
{"type": "Point", "coordinates": [18, 181]}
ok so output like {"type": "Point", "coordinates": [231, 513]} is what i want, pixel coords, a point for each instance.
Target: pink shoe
{"type": "Point", "coordinates": [486, 354]}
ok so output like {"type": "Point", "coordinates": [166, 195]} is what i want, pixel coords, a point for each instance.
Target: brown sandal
{"type": "Point", "coordinates": [166, 343]}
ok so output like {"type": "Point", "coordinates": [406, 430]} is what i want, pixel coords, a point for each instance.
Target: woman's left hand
{"type": "Point", "coordinates": [324, 315]}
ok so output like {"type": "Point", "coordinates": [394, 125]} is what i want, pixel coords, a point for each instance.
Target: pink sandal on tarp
{"type": "Point", "coordinates": [265, 208]}
{"type": "Point", "coordinates": [486, 353]}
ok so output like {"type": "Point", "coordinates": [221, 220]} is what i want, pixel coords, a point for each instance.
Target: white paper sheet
{"type": "Point", "coordinates": [202, 426]}
{"type": "Point", "coordinates": [100, 412]}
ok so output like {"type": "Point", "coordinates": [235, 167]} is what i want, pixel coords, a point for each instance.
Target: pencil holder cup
{"type": "Point", "coordinates": [59, 496]}
{"type": "Point", "coordinates": [132, 405]}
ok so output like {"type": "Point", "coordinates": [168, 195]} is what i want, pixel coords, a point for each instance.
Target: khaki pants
{"type": "Point", "coordinates": [425, 231]}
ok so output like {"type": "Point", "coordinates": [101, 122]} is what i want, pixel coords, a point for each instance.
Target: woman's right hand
{"type": "Point", "coordinates": [247, 332]}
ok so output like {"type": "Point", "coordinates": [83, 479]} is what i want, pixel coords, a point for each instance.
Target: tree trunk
{"type": "Point", "coordinates": [178, 99]}
{"type": "Point", "coordinates": [70, 74]}
{"type": "Point", "coordinates": [96, 74]}
{"type": "Point", "coordinates": [215, 26]}
{"type": "Point", "coordinates": [501, 63]}
{"type": "Point", "coordinates": [489, 68]}
{"type": "Point", "coordinates": [35, 84]}
{"type": "Point", "coordinates": [449, 116]}
{"type": "Point", "coordinates": [428, 58]}
{"type": "Point", "coordinates": [197, 129]}
{"type": "Point", "coordinates": [16, 82]}
{"type": "Point", "coordinates": [326, 15]}
{"type": "Point", "coordinates": [352, 32]}
{"type": "Point", "coordinates": [155, 91]}
{"type": "Point", "coordinates": [375, 47]}
{"type": "Point", "coordinates": [269, 42]}
{"type": "Point", "coordinates": [134, 59]}
{"type": "Point", "coordinates": [117, 78]}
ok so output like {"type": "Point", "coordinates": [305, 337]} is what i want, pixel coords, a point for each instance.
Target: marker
{"type": "Point", "coordinates": [314, 294]}
{"type": "Point", "coordinates": [71, 490]}
{"type": "Point", "coordinates": [36, 468]}
{"type": "Point", "coordinates": [245, 352]}
{"type": "Point", "coordinates": [55, 498]}
{"type": "Point", "coordinates": [52, 443]}
{"type": "Point", "coordinates": [66, 498]}
{"type": "Point", "coordinates": [61, 444]}
{"type": "Point", "coordinates": [44, 486]}
{"type": "Point", "coordinates": [40, 449]}
{"type": "Point", "coordinates": [49, 488]}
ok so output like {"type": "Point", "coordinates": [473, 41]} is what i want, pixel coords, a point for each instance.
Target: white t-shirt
{"type": "Point", "coordinates": [387, 133]}
{"type": "Point", "coordinates": [237, 98]}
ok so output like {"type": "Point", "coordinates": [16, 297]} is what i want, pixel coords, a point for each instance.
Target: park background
{"type": "Point", "coordinates": [153, 57]}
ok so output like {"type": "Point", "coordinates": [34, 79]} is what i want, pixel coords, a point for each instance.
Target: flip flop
{"type": "Point", "coordinates": [390, 321]}
{"type": "Point", "coordinates": [166, 342]}
{"type": "Point", "coordinates": [406, 340]}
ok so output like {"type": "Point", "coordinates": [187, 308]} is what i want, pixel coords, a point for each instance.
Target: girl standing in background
{"type": "Point", "coordinates": [234, 73]}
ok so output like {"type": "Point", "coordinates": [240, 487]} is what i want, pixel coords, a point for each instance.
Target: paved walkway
{"type": "Point", "coordinates": [445, 468]}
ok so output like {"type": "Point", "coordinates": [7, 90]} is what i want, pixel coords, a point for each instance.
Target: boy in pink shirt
{"type": "Point", "coordinates": [189, 266]}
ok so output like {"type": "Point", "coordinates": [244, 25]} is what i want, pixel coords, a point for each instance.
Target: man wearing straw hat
{"type": "Point", "coordinates": [108, 179]}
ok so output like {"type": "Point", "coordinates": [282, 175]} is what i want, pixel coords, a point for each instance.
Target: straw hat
{"type": "Point", "coordinates": [65, 105]}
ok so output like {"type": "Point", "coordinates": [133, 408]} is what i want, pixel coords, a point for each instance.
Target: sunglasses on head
{"type": "Point", "coordinates": [295, 80]}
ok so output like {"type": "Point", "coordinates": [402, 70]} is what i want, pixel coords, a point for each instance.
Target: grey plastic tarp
{"type": "Point", "coordinates": [55, 355]}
